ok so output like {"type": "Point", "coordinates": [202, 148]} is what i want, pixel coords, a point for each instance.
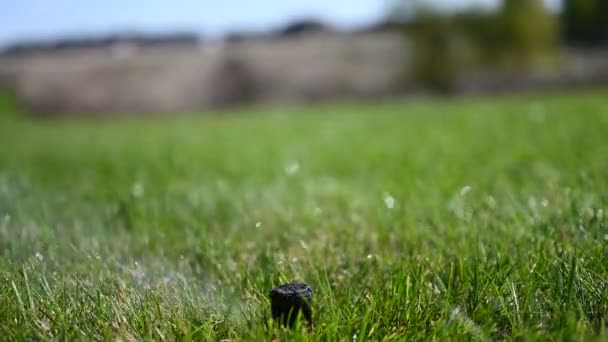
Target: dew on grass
{"type": "Point", "coordinates": [433, 287]}
{"type": "Point", "coordinates": [491, 201]}
{"type": "Point", "coordinates": [455, 312]}
{"type": "Point", "coordinates": [292, 167]}
{"type": "Point", "coordinates": [532, 202]}
{"type": "Point", "coordinates": [44, 325]}
{"type": "Point", "coordinates": [389, 201]}
{"type": "Point", "coordinates": [137, 272]}
{"type": "Point", "coordinates": [589, 213]}
{"type": "Point", "coordinates": [137, 190]}
{"type": "Point", "coordinates": [465, 189]}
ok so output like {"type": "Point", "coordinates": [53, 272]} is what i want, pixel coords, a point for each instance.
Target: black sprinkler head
{"type": "Point", "coordinates": [288, 301]}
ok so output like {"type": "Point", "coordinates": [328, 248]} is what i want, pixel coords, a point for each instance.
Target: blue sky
{"type": "Point", "coordinates": [34, 19]}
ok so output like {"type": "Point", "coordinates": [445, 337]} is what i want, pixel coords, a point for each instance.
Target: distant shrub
{"type": "Point", "coordinates": [234, 83]}
{"type": "Point", "coordinates": [522, 34]}
{"type": "Point", "coordinates": [528, 31]}
{"type": "Point", "coordinates": [436, 59]}
{"type": "Point", "coordinates": [585, 22]}
{"type": "Point", "coordinates": [303, 26]}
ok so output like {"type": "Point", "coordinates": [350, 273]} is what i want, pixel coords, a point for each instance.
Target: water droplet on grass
{"type": "Point", "coordinates": [137, 190]}
{"type": "Point", "coordinates": [532, 202]}
{"type": "Point", "coordinates": [491, 201]}
{"type": "Point", "coordinates": [389, 201]}
{"type": "Point", "coordinates": [138, 272]}
{"type": "Point", "coordinates": [292, 168]}
{"type": "Point", "coordinates": [465, 189]}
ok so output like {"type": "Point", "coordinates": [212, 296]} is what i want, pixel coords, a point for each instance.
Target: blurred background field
{"type": "Point", "coordinates": [433, 170]}
{"type": "Point", "coordinates": [294, 53]}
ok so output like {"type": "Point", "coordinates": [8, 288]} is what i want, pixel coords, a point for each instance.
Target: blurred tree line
{"type": "Point", "coordinates": [520, 35]}
{"type": "Point", "coordinates": [585, 22]}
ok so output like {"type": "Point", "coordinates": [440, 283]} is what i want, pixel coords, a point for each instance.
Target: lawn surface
{"type": "Point", "coordinates": [422, 219]}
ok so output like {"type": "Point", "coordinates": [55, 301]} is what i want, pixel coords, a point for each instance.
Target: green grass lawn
{"type": "Point", "coordinates": [423, 219]}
